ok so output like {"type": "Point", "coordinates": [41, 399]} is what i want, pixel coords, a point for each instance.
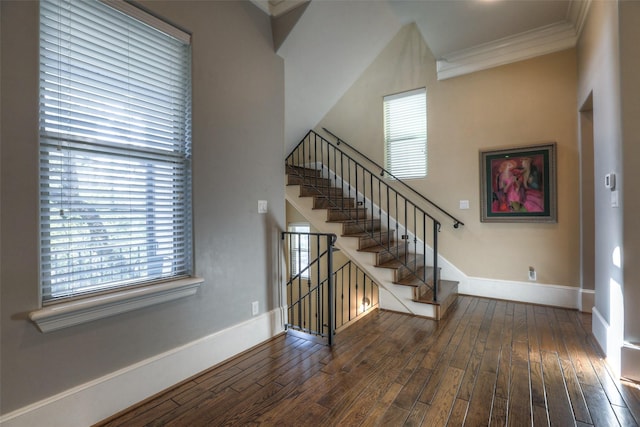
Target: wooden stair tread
{"type": "Point", "coordinates": [446, 289]}
{"type": "Point", "coordinates": [400, 249]}
{"type": "Point", "coordinates": [410, 261]}
{"type": "Point", "coordinates": [301, 170]}
{"type": "Point", "coordinates": [415, 280]}
{"type": "Point", "coordinates": [365, 234]}
{"type": "Point", "coordinates": [336, 201]}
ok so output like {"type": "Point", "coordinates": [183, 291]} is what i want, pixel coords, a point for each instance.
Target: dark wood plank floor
{"type": "Point", "coordinates": [488, 363]}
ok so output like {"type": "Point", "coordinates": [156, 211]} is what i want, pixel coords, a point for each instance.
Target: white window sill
{"type": "Point", "coordinates": [73, 313]}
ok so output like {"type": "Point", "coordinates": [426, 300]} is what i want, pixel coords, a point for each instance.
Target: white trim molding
{"type": "Point", "coordinates": [587, 300]}
{"type": "Point", "coordinates": [66, 314]}
{"type": "Point", "coordinates": [525, 292]}
{"type": "Point", "coordinates": [126, 387]}
{"type": "Point", "coordinates": [609, 340]}
{"type": "Point", "coordinates": [631, 361]}
{"type": "Point", "coordinates": [540, 41]}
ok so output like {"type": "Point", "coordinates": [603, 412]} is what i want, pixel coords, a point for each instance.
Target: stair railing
{"type": "Point", "coordinates": [355, 293]}
{"type": "Point", "coordinates": [310, 288]}
{"type": "Point", "coordinates": [383, 213]}
{"type": "Point", "coordinates": [456, 222]}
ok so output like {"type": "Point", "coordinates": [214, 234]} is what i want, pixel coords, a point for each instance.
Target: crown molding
{"type": "Point", "coordinates": [276, 8]}
{"type": "Point", "coordinates": [577, 13]}
{"type": "Point", "coordinates": [537, 42]}
{"type": "Point", "coordinates": [280, 7]}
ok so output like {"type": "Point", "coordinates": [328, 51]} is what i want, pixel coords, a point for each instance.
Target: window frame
{"type": "Point", "coordinates": [113, 297]}
{"type": "Point", "coordinates": [405, 145]}
{"type": "Point", "coordinates": [296, 268]}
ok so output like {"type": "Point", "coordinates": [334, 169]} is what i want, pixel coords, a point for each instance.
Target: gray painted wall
{"type": "Point", "coordinates": [238, 127]}
{"type": "Point", "coordinates": [598, 71]}
{"type": "Point", "coordinates": [630, 95]}
{"type": "Point", "coordinates": [608, 67]}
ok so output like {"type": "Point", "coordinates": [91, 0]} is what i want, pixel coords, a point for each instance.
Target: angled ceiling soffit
{"type": "Point", "coordinates": [286, 20]}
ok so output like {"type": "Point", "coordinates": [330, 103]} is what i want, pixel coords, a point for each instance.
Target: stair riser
{"type": "Point", "coordinates": [338, 215]}
{"type": "Point", "coordinates": [416, 280]}
{"type": "Point", "coordinates": [448, 293]}
{"type": "Point", "coordinates": [358, 227]}
{"type": "Point", "coordinates": [298, 170]}
{"type": "Point", "coordinates": [326, 203]}
{"type": "Point", "coordinates": [404, 271]}
{"type": "Point", "coordinates": [300, 180]}
{"type": "Point", "coordinates": [378, 238]}
{"type": "Point", "coordinates": [388, 255]}
{"type": "Point", "coordinates": [306, 191]}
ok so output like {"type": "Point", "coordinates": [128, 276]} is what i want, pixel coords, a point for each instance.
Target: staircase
{"type": "Point", "coordinates": [392, 251]}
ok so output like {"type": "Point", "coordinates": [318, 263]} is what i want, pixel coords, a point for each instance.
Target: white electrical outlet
{"type": "Point", "coordinates": [532, 274]}
{"type": "Point", "coordinates": [614, 199]}
{"type": "Point", "coordinates": [255, 308]}
{"type": "Point", "coordinates": [262, 206]}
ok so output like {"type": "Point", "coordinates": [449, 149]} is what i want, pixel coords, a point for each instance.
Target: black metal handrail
{"type": "Point", "coordinates": [381, 212]}
{"type": "Point", "coordinates": [383, 171]}
{"type": "Point", "coordinates": [310, 289]}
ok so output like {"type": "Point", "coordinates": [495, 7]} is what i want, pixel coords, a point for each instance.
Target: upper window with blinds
{"type": "Point", "coordinates": [405, 134]}
{"type": "Point", "coordinates": [115, 148]}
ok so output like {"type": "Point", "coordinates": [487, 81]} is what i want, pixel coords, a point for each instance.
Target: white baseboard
{"type": "Point", "coordinates": [96, 400]}
{"type": "Point", "coordinates": [599, 328]}
{"type": "Point", "coordinates": [587, 300]}
{"type": "Point", "coordinates": [609, 340]}
{"type": "Point", "coordinates": [631, 361]}
{"type": "Point", "coordinates": [527, 292]}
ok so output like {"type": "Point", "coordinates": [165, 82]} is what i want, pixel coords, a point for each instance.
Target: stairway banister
{"type": "Point", "coordinates": [331, 239]}
{"type": "Point", "coordinates": [384, 171]}
{"type": "Point", "coordinates": [363, 167]}
{"type": "Point", "coordinates": [316, 155]}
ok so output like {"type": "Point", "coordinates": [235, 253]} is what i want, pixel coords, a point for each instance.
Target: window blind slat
{"type": "Point", "coordinates": [115, 176]}
{"type": "Point", "coordinates": [405, 124]}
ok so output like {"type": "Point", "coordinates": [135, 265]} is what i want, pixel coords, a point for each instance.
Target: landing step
{"type": "Point", "coordinates": [447, 295]}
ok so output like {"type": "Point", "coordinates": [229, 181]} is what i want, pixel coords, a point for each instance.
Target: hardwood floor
{"type": "Point", "coordinates": [487, 363]}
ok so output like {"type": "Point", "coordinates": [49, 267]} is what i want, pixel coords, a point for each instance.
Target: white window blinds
{"type": "Point", "coordinates": [405, 134]}
{"type": "Point", "coordinates": [115, 168]}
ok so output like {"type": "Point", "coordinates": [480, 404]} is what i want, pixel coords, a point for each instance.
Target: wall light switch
{"type": "Point", "coordinates": [464, 204]}
{"type": "Point", "coordinates": [262, 206]}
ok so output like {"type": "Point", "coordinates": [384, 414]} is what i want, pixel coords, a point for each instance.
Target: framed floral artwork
{"type": "Point", "coordinates": [518, 184]}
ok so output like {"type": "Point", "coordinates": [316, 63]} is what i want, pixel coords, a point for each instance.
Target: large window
{"type": "Point", "coordinates": [115, 168]}
{"type": "Point", "coordinates": [405, 134]}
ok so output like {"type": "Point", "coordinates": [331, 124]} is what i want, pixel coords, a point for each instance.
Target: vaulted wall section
{"type": "Point", "coordinates": [523, 103]}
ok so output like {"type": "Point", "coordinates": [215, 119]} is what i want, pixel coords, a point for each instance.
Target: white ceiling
{"type": "Point", "coordinates": [464, 36]}
{"type": "Point", "coordinates": [450, 26]}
